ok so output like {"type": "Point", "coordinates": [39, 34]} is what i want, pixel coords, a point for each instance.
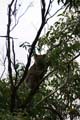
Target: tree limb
{"type": "Point", "coordinates": [8, 42]}
{"type": "Point", "coordinates": [55, 13]}
{"type": "Point", "coordinates": [54, 111]}
{"type": "Point", "coordinates": [3, 69]}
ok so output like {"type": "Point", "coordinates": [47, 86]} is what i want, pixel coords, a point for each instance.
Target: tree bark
{"type": "Point", "coordinates": [13, 99]}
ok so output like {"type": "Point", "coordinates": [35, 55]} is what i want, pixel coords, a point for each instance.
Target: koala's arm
{"type": "Point", "coordinates": [32, 77]}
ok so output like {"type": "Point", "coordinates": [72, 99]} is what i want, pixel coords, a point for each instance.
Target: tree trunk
{"type": "Point", "coordinates": [13, 99]}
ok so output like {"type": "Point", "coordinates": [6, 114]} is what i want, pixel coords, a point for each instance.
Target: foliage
{"type": "Point", "coordinates": [6, 115]}
{"type": "Point", "coordinates": [70, 3]}
{"type": "Point", "coordinates": [4, 95]}
{"type": "Point", "coordinates": [62, 41]}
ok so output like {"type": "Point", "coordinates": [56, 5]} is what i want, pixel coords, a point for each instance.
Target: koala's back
{"type": "Point", "coordinates": [36, 72]}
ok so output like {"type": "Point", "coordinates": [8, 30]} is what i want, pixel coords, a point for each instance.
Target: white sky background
{"type": "Point", "coordinates": [25, 30]}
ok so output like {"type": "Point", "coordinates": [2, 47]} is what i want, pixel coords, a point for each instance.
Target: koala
{"type": "Point", "coordinates": [37, 71]}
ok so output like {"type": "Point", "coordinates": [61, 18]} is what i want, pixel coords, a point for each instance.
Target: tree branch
{"type": "Point", "coordinates": [50, 2]}
{"type": "Point", "coordinates": [8, 42]}
{"type": "Point", "coordinates": [43, 10]}
{"type": "Point", "coordinates": [14, 61]}
{"type": "Point", "coordinates": [3, 69]}
{"type": "Point", "coordinates": [55, 13]}
{"type": "Point", "coordinates": [54, 111]}
{"type": "Point", "coordinates": [74, 58]}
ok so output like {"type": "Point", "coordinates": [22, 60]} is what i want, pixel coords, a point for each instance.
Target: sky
{"type": "Point", "coordinates": [25, 30]}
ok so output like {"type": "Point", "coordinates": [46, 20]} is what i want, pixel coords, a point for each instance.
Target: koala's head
{"type": "Point", "coordinates": [40, 59]}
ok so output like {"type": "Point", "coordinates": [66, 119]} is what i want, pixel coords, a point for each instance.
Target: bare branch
{"type": "Point", "coordinates": [21, 16]}
{"type": "Point", "coordinates": [74, 58]}
{"type": "Point", "coordinates": [9, 57]}
{"type": "Point", "coordinates": [55, 13]}
{"type": "Point", "coordinates": [8, 42]}
{"type": "Point", "coordinates": [14, 60]}
{"type": "Point", "coordinates": [48, 9]}
{"type": "Point", "coordinates": [43, 10]}
{"type": "Point", "coordinates": [11, 3]}
{"type": "Point", "coordinates": [14, 64]}
{"type": "Point", "coordinates": [4, 68]}
{"type": "Point", "coordinates": [5, 36]}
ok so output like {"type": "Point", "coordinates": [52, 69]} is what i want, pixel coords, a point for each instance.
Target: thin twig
{"type": "Point", "coordinates": [4, 68]}
{"type": "Point", "coordinates": [14, 61]}
{"type": "Point", "coordinates": [21, 16]}
{"type": "Point", "coordinates": [50, 2]}
{"type": "Point", "coordinates": [55, 13]}
{"type": "Point", "coordinates": [5, 36]}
